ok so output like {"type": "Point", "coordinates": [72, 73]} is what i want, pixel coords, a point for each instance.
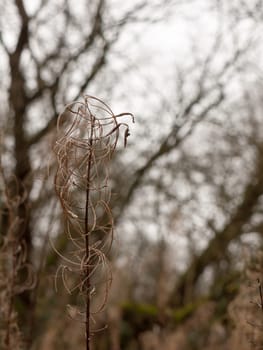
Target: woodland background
{"type": "Point", "coordinates": [187, 191]}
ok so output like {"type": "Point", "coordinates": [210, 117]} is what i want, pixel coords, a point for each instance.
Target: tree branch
{"type": "Point", "coordinates": [96, 31]}
{"type": "Point", "coordinates": [23, 35]}
{"type": "Point", "coordinates": [217, 247]}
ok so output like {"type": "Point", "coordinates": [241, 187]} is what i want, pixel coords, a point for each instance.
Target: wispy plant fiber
{"type": "Point", "coordinates": [88, 133]}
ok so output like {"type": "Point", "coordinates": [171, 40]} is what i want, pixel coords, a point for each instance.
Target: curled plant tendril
{"type": "Point", "coordinates": [88, 133]}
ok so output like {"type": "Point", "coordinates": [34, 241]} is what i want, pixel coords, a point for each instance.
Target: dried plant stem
{"type": "Point", "coordinates": [88, 135]}
{"type": "Point", "coordinates": [87, 242]}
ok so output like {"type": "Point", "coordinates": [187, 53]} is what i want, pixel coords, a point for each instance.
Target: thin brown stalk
{"type": "Point", "coordinates": [87, 241]}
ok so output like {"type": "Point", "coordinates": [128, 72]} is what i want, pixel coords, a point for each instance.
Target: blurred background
{"type": "Point", "coordinates": [187, 191]}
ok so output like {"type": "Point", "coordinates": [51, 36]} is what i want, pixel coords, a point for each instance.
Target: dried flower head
{"type": "Point", "coordinates": [88, 133]}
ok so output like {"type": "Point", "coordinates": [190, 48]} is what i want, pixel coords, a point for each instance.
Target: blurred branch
{"type": "Point", "coordinates": [217, 247]}
{"type": "Point", "coordinates": [40, 8]}
{"type": "Point", "coordinates": [96, 30]}
{"type": "Point", "coordinates": [174, 139]}
{"type": "Point", "coordinates": [190, 120]}
{"type": "Point", "coordinates": [23, 35]}
{"type": "Point", "coordinates": [100, 62]}
{"type": "Point", "coordinates": [4, 44]}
